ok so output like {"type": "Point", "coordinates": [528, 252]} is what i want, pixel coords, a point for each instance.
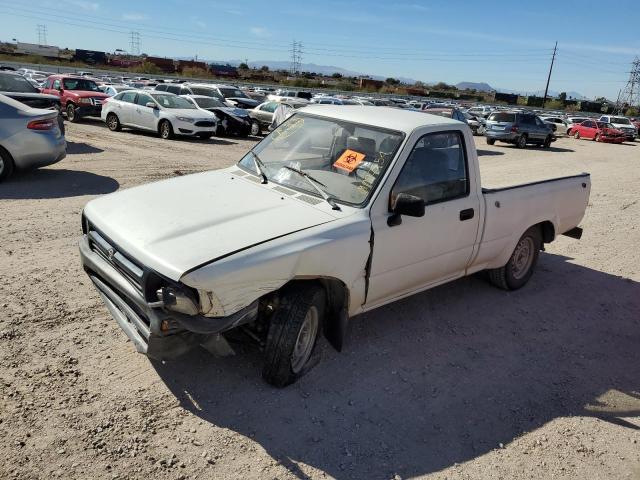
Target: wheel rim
{"type": "Point", "coordinates": [113, 122]}
{"type": "Point", "coordinates": [305, 341]}
{"type": "Point", "coordinates": [522, 142]}
{"type": "Point", "coordinates": [522, 258]}
{"type": "Point", "coordinates": [165, 130]}
{"type": "Point", "coordinates": [70, 113]}
{"type": "Point", "coordinates": [254, 128]}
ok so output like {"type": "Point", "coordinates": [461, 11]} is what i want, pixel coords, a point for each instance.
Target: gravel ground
{"type": "Point", "coordinates": [464, 381]}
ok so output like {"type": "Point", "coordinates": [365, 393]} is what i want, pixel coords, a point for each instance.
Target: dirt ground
{"type": "Point", "coordinates": [461, 382]}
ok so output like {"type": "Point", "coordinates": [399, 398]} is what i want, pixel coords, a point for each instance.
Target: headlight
{"type": "Point", "coordinates": [186, 119]}
{"type": "Point", "coordinates": [177, 301]}
{"type": "Point", "coordinates": [84, 100]}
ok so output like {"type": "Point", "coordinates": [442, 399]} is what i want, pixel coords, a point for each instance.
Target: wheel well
{"type": "Point", "coordinates": [547, 230]}
{"type": "Point", "coordinates": [337, 313]}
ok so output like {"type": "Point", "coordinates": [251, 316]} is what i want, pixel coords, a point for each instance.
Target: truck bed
{"type": "Point", "coordinates": [559, 203]}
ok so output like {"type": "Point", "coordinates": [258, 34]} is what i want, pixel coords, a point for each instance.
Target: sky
{"type": "Point", "coordinates": [505, 44]}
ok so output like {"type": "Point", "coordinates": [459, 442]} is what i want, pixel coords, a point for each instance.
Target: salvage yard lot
{"type": "Point", "coordinates": [463, 381]}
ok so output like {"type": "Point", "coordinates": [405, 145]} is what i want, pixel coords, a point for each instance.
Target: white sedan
{"type": "Point", "coordinates": [161, 112]}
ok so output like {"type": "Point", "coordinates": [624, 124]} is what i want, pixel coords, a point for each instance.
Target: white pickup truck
{"type": "Point", "coordinates": [339, 211]}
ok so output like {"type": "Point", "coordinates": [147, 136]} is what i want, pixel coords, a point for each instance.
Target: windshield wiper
{"type": "Point", "coordinates": [259, 166]}
{"type": "Point", "coordinates": [314, 183]}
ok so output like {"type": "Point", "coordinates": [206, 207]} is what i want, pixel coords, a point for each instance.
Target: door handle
{"type": "Point", "coordinates": [466, 214]}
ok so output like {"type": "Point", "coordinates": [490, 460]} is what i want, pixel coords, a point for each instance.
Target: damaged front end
{"type": "Point", "coordinates": [163, 318]}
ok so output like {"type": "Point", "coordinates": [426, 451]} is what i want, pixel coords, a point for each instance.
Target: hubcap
{"type": "Point", "coordinates": [254, 128]}
{"type": "Point", "coordinates": [165, 130]}
{"type": "Point", "coordinates": [522, 258]}
{"type": "Point", "coordinates": [306, 339]}
{"type": "Point", "coordinates": [112, 122]}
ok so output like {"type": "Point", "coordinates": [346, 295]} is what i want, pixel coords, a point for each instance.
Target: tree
{"type": "Point", "coordinates": [563, 96]}
{"type": "Point", "coordinates": [337, 75]}
{"type": "Point", "coordinates": [392, 81]}
{"type": "Point", "coordinates": [264, 68]}
{"type": "Point", "coordinates": [444, 86]}
{"type": "Point", "coordinates": [243, 66]}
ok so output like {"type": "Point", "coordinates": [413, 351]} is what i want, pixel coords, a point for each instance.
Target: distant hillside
{"type": "Point", "coordinates": [481, 87]}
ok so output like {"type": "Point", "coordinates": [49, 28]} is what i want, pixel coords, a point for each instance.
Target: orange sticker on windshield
{"type": "Point", "coordinates": [349, 160]}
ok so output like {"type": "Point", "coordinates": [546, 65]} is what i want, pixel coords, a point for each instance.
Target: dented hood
{"type": "Point", "coordinates": [176, 225]}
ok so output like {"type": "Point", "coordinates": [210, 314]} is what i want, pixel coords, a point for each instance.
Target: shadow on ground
{"type": "Point", "coordinates": [55, 183]}
{"type": "Point", "coordinates": [488, 153]}
{"type": "Point", "coordinates": [438, 378]}
{"type": "Point", "coordinates": [74, 148]}
{"type": "Point", "coordinates": [180, 138]}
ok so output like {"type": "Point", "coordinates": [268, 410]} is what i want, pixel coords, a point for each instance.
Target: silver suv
{"type": "Point", "coordinates": [518, 129]}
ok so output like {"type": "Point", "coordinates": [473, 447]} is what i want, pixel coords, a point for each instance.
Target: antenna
{"type": "Point", "coordinates": [42, 34]}
{"type": "Point", "coordinates": [134, 43]}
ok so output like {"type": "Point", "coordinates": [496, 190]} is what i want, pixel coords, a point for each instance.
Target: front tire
{"type": "Point", "coordinates": [547, 142]}
{"type": "Point", "coordinates": [255, 128]}
{"type": "Point", "coordinates": [113, 123]}
{"type": "Point", "coordinates": [576, 135]}
{"type": "Point", "coordinates": [292, 335]}
{"type": "Point", "coordinates": [72, 116]}
{"type": "Point", "coordinates": [166, 130]}
{"type": "Point", "coordinates": [6, 164]}
{"type": "Point", "coordinates": [490, 141]}
{"type": "Point", "coordinates": [518, 270]}
{"type": "Point", "coordinates": [596, 138]}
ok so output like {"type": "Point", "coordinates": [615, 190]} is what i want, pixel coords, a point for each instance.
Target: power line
{"type": "Point", "coordinates": [42, 34]}
{"type": "Point", "coordinates": [135, 43]}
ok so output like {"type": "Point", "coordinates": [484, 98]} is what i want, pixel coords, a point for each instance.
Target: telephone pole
{"type": "Point", "coordinates": [42, 34]}
{"type": "Point", "coordinates": [546, 89]}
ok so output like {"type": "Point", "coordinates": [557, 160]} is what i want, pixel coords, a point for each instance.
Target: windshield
{"type": "Point", "coordinates": [207, 92]}
{"type": "Point", "coordinates": [605, 125]}
{"type": "Point", "coordinates": [232, 93]}
{"type": "Point", "coordinates": [16, 83]}
{"type": "Point", "coordinates": [502, 117]}
{"type": "Point", "coordinates": [442, 113]}
{"type": "Point", "coordinates": [348, 159]}
{"type": "Point", "coordinates": [173, 101]}
{"type": "Point", "coordinates": [620, 120]}
{"type": "Point", "coordinates": [209, 102]}
{"type": "Point", "coordinates": [80, 84]}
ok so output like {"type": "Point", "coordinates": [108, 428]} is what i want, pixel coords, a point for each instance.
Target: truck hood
{"type": "Point", "coordinates": [176, 225]}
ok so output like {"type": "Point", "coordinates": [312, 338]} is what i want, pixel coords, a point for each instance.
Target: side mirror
{"type": "Point", "coordinates": [151, 105]}
{"type": "Point", "coordinates": [405, 204]}
{"type": "Point", "coordinates": [61, 90]}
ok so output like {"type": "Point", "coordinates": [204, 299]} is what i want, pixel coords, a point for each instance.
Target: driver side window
{"type": "Point", "coordinates": [436, 169]}
{"type": "Point", "coordinates": [56, 84]}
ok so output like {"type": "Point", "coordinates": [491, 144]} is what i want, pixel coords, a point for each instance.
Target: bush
{"type": "Point", "coordinates": [146, 67]}
{"type": "Point", "coordinates": [195, 72]}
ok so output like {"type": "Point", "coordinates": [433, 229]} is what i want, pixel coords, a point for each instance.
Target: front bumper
{"type": "Point", "coordinates": [504, 136]}
{"type": "Point", "coordinates": [141, 322]}
{"type": "Point", "coordinates": [89, 110]}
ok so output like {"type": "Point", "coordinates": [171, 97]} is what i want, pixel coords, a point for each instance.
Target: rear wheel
{"type": "Point", "coordinates": [72, 116]}
{"type": "Point", "coordinates": [547, 142]}
{"type": "Point", "coordinates": [521, 142]}
{"type": "Point", "coordinates": [518, 270]}
{"type": "Point", "coordinates": [576, 135]}
{"type": "Point", "coordinates": [255, 128]}
{"type": "Point", "coordinates": [113, 123]}
{"type": "Point", "coordinates": [596, 138]}
{"type": "Point", "coordinates": [6, 164]}
{"type": "Point", "coordinates": [166, 130]}
{"type": "Point", "coordinates": [293, 332]}
{"type": "Point", "coordinates": [490, 141]}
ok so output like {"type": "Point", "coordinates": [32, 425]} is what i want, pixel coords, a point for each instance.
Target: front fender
{"type": "Point", "coordinates": [337, 250]}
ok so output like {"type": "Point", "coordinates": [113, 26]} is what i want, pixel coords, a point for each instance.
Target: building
{"type": "Point", "coordinates": [228, 71]}
{"type": "Point", "coordinates": [533, 101]}
{"type": "Point", "coordinates": [370, 84]}
{"type": "Point", "coordinates": [91, 57]}
{"type": "Point", "coordinates": [509, 98]}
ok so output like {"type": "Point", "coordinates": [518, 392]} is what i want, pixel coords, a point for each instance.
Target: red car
{"type": "Point", "coordinates": [636, 122]}
{"type": "Point", "coordinates": [598, 131]}
{"type": "Point", "coordinates": [79, 96]}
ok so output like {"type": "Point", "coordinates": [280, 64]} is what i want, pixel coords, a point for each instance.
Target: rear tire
{"type": "Point", "coordinates": [521, 142]}
{"type": "Point", "coordinates": [518, 270]}
{"type": "Point", "coordinates": [6, 164]}
{"type": "Point", "coordinates": [293, 333]}
{"type": "Point", "coordinates": [166, 130]}
{"type": "Point", "coordinates": [490, 141]}
{"type": "Point", "coordinates": [547, 142]}
{"type": "Point", "coordinates": [113, 123]}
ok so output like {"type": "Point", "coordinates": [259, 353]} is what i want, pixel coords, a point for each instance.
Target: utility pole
{"type": "Point", "coordinates": [42, 34]}
{"type": "Point", "coordinates": [631, 94]}
{"type": "Point", "coordinates": [134, 43]}
{"type": "Point", "coordinates": [546, 89]}
{"type": "Point", "coordinates": [296, 57]}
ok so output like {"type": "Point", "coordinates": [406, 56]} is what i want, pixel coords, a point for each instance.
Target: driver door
{"type": "Point", "coordinates": [423, 251]}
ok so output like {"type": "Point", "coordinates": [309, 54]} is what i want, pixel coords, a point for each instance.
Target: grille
{"type": "Point", "coordinates": [97, 101]}
{"type": "Point", "coordinates": [130, 270]}
{"type": "Point", "coordinates": [309, 200]}
{"type": "Point", "coordinates": [239, 173]}
{"type": "Point", "coordinates": [205, 124]}
{"type": "Point", "coordinates": [284, 190]}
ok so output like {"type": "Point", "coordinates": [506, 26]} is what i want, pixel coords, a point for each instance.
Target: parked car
{"type": "Point", "coordinates": [480, 110]}
{"type": "Point", "coordinates": [281, 94]}
{"type": "Point", "coordinates": [598, 131]}
{"type": "Point", "coordinates": [623, 124]}
{"type": "Point", "coordinates": [327, 101]}
{"type": "Point", "coordinates": [363, 101]}
{"type": "Point", "coordinates": [17, 87]}
{"type": "Point", "coordinates": [518, 129]}
{"type": "Point", "coordinates": [231, 120]}
{"type": "Point", "coordinates": [29, 137]}
{"type": "Point", "coordinates": [554, 123]}
{"type": "Point", "coordinates": [322, 220]}
{"type": "Point", "coordinates": [80, 97]}
{"type": "Point", "coordinates": [262, 115]}
{"type": "Point", "coordinates": [571, 121]}
{"type": "Point", "coordinates": [112, 90]}
{"type": "Point", "coordinates": [636, 122]}
{"type": "Point", "coordinates": [453, 113]}
{"type": "Point", "coordinates": [161, 112]}
{"type": "Point", "coordinates": [477, 124]}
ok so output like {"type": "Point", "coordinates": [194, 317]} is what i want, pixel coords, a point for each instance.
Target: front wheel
{"type": "Point", "coordinates": [292, 335]}
{"type": "Point", "coordinates": [596, 138]}
{"type": "Point", "coordinates": [490, 141]}
{"type": "Point", "coordinates": [166, 130]}
{"type": "Point", "coordinates": [113, 123]}
{"type": "Point", "coordinates": [255, 128]}
{"type": "Point", "coordinates": [576, 135]}
{"type": "Point", "coordinates": [518, 270]}
{"type": "Point", "coordinates": [71, 113]}
{"type": "Point", "coordinates": [547, 142]}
